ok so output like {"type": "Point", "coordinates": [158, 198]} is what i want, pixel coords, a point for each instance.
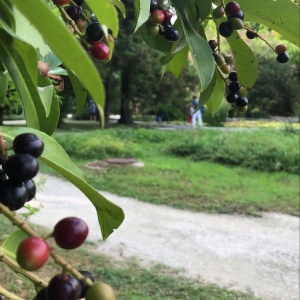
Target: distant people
{"type": "Point", "coordinates": [198, 112]}
{"type": "Point", "coordinates": [92, 107]}
{"type": "Point", "coordinates": [191, 111]}
{"type": "Point", "coordinates": [159, 116]}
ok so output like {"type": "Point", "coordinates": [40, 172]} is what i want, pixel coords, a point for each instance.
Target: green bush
{"type": "Point", "coordinates": [263, 150]}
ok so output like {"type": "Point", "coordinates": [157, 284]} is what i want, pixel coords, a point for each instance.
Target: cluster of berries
{"type": "Point", "coordinates": [159, 22]}
{"type": "Point", "coordinates": [223, 60]}
{"type": "Point", "coordinates": [236, 95]}
{"type": "Point", "coordinates": [18, 170]}
{"type": "Point", "coordinates": [235, 17]}
{"type": "Point", "coordinates": [92, 40]}
{"type": "Point", "coordinates": [282, 55]}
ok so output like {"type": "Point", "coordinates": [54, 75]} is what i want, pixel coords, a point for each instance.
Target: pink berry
{"type": "Point", "coordinates": [232, 8]}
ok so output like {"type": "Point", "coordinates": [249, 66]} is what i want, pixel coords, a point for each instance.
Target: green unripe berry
{"type": "Point", "coordinates": [100, 291]}
{"type": "Point", "coordinates": [242, 91]}
{"type": "Point", "coordinates": [220, 60]}
{"type": "Point", "coordinates": [225, 69]}
{"type": "Point", "coordinates": [152, 29]}
{"type": "Point", "coordinates": [236, 23]}
{"type": "Point", "coordinates": [218, 12]}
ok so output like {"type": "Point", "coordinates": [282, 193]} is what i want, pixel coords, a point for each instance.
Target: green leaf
{"type": "Point", "coordinates": [106, 13]}
{"type": "Point", "coordinates": [110, 216]}
{"type": "Point", "coordinates": [205, 95]}
{"type": "Point", "coordinates": [46, 94]}
{"type": "Point", "coordinates": [244, 59]}
{"type": "Point", "coordinates": [79, 90]}
{"type": "Point", "coordinates": [142, 12]}
{"type": "Point", "coordinates": [7, 15]}
{"type": "Point", "coordinates": [52, 60]}
{"type": "Point", "coordinates": [120, 6]}
{"type": "Point", "coordinates": [3, 84]}
{"type": "Point", "coordinates": [204, 8]}
{"type": "Point", "coordinates": [70, 51]}
{"type": "Point", "coordinates": [280, 15]}
{"type": "Point", "coordinates": [12, 242]}
{"type": "Point", "coordinates": [199, 48]}
{"type": "Point", "coordinates": [178, 62]}
{"type": "Point", "coordinates": [217, 95]}
{"type": "Point", "coordinates": [58, 71]}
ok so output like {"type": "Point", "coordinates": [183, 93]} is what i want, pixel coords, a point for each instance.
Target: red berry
{"type": "Point", "coordinates": [167, 15]}
{"type": "Point", "coordinates": [157, 17]}
{"type": "Point", "coordinates": [280, 48]}
{"type": "Point", "coordinates": [213, 44]}
{"type": "Point", "coordinates": [232, 8]}
{"type": "Point", "coordinates": [33, 253]}
{"type": "Point", "coordinates": [100, 51]}
{"type": "Point", "coordinates": [61, 2]}
{"type": "Point", "coordinates": [70, 233]}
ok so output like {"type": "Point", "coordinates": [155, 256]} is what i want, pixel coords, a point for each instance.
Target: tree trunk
{"type": "Point", "coordinates": [108, 87]}
{"type": "Point", "coordinates": [126, 96]}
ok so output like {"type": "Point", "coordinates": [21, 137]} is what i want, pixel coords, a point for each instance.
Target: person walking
{"type": "Point", "coordinates": [191, 111]}
{"type": "Point", "coordinates": [197, 112]}
{"type": "Point", "coordinates": [93, 109]}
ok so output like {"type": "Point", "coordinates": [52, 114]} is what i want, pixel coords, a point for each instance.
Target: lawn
{"type": "Point", "coordinates": [213, 182]}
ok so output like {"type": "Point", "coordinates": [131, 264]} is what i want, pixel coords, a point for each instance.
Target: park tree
{"type": "Point", "coordinates": [38, 37]}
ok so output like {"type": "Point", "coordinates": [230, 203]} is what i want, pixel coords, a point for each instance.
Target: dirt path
{"type": "Point", "coordinates": [241, 253]}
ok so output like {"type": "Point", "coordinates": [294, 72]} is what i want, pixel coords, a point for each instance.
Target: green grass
{"type": "Point", "coordinates": [182, 182]}
{"type": "Point", "coordinates": [128, 279]}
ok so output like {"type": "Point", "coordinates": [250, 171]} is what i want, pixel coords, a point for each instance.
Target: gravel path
{"type": "Point", "coordinates": [242, 253]}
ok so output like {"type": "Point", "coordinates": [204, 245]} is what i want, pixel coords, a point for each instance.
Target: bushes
{"type": "Point", "coordinates": [263, 150]}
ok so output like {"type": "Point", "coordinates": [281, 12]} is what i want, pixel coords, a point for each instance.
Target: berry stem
{"type": "Point", "coordinates": [15, 267]}
{"type": "Point", "coordinates": [8, 294]}
{"type": "Point", "coordinates": [223, 3]}
{"type": "Point", "coordinates": [220, 72]}
{"type": "Point", "coordinates": [70, 21]}
{"type": "Point", "coordinates": [259, 36]}
{"type": "Point", "coordinates": [57, 258]}
{"type": "Point", "coordinates": [86, 17]}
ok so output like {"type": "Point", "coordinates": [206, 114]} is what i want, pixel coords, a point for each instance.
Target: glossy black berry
{"type": "Point", "coordinates": [233, 76]}
{"type": "Point", "coordinates": [31, 189]}
{"type": "Point", "coordinates": [79, 2]}
{"type": "Point", "coordinates": [2, 175]}
{"type": "Point", "coordinates": [84, 286]}
{"type": "Point", "coordinates": [74, 12]}
{"type": "Point", "coordinates": [94, 31]}
{"type": "Point", "coordinates": [41, 295]}
{"type": "Point", "coordinates": [93, 18]}
{"type": "Point", "coordinates": [13, 194]}
{"type": "Point", "coordinates": [64, 287]}
{"type": "Point", "coordinates": [232, 97]}
{"type": "Point", "coordinates": [21, 167]}
{"type": "Point", "coordinates": [234, 86]}
{"type": "Point", "coordinates": [171, 34]}
{"type": "Point", "coordinates": [239, 15]}
{"type": "Point", "coordinates": [283, 58]}
{"type": "Point", "coordinates": [225, 29]}
{"type": "Point", "coordinates": [28, 143]}
{"type": "Point", "coordinates": [215, 54]}
{"type": "Point", "coordinates": [213, 44]}
{"type": "Point", "coordinates": [153, 5]}
{"type": "Point", "coordinates": [2, 158]}
{"type": "Point", "coordinates": [241, 102]}
{"type": "Point", "coordinates": [166, 25]}
{"type": "Point", "coordinates": [251, 35]}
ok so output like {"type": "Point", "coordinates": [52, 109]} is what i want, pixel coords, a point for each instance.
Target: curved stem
{"type": "Point", "coordinates": [9, 295]}
{"type": "Point", "coordinates": [259, 36]}
{"type": "Point", "coordinates": [15, 267]}
{"type": "Point", "coordinates": [220, 72]}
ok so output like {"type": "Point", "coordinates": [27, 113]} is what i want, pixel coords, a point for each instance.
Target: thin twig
{"type": "Point", "coordinates": [8, 295]}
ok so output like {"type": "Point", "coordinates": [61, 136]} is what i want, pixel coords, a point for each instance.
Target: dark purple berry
{"type": "Point", "coordinates": [232, 97]}
{"type": "Point", "coordinates": [21, 167]}
{"type": "Point", "coordinates": [28, 143]}
{"type": "Point", "coordinates": [41, 295]}
{"type": "Point", "coordinates": [79, 2]}
{"type": "Point", "coordinates": [94, 32]}
{"type": "Point", "coordinates": [232, 8]}
{"type": "Point", "coordinates": [233, 76]}
{"type": "Point", "coordinates": [74, 12]}
{"type": "Point", "coordinates": [239, 15]}
{"type": "Point", "coordinates": [215, 54]}
{"type": "Point", "coordinates": [171, 34]}
{"type": "Point", "coordinates": [13, 194]}
{"type": "Point", "coordinates": [234, 86]}
{"type": "Point", "coordinates": [153, 5]}
{"type": "Point", "coordinates": [31, 189]}
{"type": "Point", "coordinates": [225, 29]}
{"type": "Point", "coordinates": [283, 58]}
{"type": "Point", "coordinates": [213, 44]}
{"type": "Point", "coordinates": [64, 287]}
{"type": "Point", "coordinates": [250, 35]}
{"type": "Point", "coordinates": [241, 102]}
{"type": "Point", "coordinates": [93, 18]}
{"type": "Point", "coordinates": [84, 286]}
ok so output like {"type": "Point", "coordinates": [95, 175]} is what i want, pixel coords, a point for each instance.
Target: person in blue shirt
{"type": "Point", "coordinates": [197, 112]}
{"type": "Point", "coordinates": [92, 107]}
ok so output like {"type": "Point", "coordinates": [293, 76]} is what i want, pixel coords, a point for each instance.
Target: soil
{"type": "Point", "coordinates": [258, 255]}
